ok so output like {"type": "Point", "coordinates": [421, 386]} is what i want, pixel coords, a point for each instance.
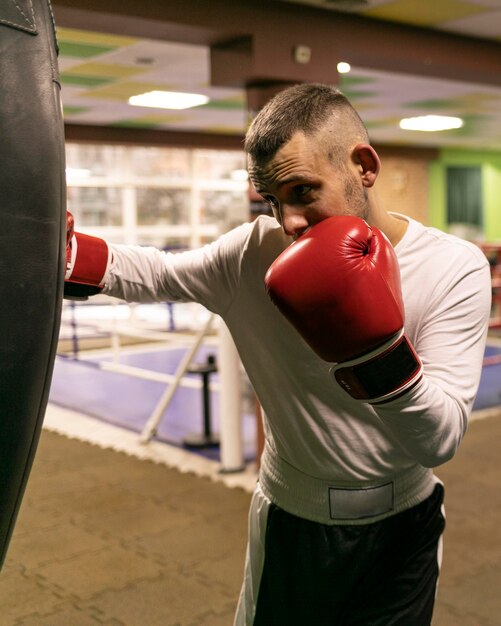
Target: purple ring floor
{"type": "Point", "coordinates": [128, 402]}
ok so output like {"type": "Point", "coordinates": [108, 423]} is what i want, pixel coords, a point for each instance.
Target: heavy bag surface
{"type": "Point", "coordinates": [32, 206]}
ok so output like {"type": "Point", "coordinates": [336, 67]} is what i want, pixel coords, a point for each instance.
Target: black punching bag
{"type": "Point", "coordinates": [32, 207]}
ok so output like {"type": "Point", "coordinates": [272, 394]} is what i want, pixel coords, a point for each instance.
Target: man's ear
{"type": "Point", "coordinates": [366, 158]}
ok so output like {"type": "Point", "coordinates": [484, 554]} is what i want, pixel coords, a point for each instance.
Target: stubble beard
{"type": "Point", "coordinates": [357, 198]}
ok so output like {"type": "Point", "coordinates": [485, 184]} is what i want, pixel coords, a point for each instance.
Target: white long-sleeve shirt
{"type": "Point", "coordinates": [312, 424]}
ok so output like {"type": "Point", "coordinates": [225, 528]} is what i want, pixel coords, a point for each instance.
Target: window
{"type": "Point", "coordinates": [167, 197]}
{"type": "Point", "coordinates": [95, 206]}
{"type": "Point", "coordinates": [156, 207]}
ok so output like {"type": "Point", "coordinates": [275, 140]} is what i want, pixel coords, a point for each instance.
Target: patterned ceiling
{"type": "Point", "coordinates": [478, 18]}
{"type": "Point", "coordinates": [100, 72]}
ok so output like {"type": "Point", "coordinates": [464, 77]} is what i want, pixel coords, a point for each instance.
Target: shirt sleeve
{"type": "Point", "coordinates": [430, 420]}
{"type": "Point", "coordinates": [208, 275]}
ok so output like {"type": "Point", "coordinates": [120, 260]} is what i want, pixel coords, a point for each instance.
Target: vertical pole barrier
{"type": "Point", "coordinates": [230, 404]}
{"type": "Point", "coordinates": [115, 335]}
{"type": "Point", "coordinates": [74, 329]}
{"type": "Point", "coordinates": [151, 425]}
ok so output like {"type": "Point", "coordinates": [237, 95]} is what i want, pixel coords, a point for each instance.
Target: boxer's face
{"type": "Point", "coordinates": [304, 184]}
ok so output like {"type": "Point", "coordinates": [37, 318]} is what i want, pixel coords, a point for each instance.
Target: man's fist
{"type": "Point", "coordinates": [339, 285]}
{"type": "Point", "coordinates": [87, 260]}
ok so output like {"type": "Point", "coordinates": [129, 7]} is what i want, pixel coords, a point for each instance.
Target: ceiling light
{"type": "Point", "coordinates": [431, 123]}
{"type": "Point", "coordinates": [343, 67]}
{"type": "Point", "coordinates": [168, 100]}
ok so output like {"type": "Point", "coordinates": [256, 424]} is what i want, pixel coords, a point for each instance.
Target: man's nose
{"type": "Point", "coordinates": [294, 222]}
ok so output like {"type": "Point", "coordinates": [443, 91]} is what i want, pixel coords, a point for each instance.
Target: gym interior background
{"type": "Point", "coordinates": [176, 179]}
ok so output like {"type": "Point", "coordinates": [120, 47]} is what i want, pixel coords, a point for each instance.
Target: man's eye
{"type": "Point", "coordinates": [302, 190]}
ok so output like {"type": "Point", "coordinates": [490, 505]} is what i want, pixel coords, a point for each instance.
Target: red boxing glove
{"type": "Point", "coordinates": [87, 260]}
{"type": "Point", "coordinates": [339, 285]}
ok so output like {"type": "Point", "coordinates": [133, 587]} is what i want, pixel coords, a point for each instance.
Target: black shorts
{"type": "Point", "coordinates": [380, 574]}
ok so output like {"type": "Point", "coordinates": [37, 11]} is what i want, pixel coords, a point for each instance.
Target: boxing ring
{"type": "Point", "coordinates": [180, 382]}
{"type": "Point", "coordinates": [135, 366]}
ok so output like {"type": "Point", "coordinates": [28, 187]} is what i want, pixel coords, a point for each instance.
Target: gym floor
{"type": "Point", "coordinates": [106, 538]}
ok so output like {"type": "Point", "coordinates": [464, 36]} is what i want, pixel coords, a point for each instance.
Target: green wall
{"type": "Point", "coordinates": [490, 162]}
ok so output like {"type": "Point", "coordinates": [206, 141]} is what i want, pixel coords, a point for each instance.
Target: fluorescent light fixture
{"type": "Point", "coordinates": [343, 67]}
{"type": "Point", "coordinates": [168, 100]}
{"type": "Point", "coordinates": [431, 123]}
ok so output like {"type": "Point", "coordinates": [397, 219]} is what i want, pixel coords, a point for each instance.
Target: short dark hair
{"type": "Point", "coordinates": [306, 107]}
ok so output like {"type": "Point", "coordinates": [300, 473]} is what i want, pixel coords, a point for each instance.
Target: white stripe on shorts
{"type": "Point", "coordinates": [254, 559]}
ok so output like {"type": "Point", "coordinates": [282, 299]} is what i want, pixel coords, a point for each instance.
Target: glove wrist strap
{"type": "Point", "coordinates": [90, 260]}
{"type": "Point", "coordinates": [383, 373]}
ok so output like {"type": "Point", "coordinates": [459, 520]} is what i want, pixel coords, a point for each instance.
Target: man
{"type": "Point", "coordinates": [346, 521]}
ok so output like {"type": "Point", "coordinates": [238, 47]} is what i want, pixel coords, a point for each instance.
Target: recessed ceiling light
{"type": "Point", "coordinates": [343, 67]}
{"type": "Point", "coordinates": [168, 100]}
{"type": "Point", "coordinates": [431, 123]}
